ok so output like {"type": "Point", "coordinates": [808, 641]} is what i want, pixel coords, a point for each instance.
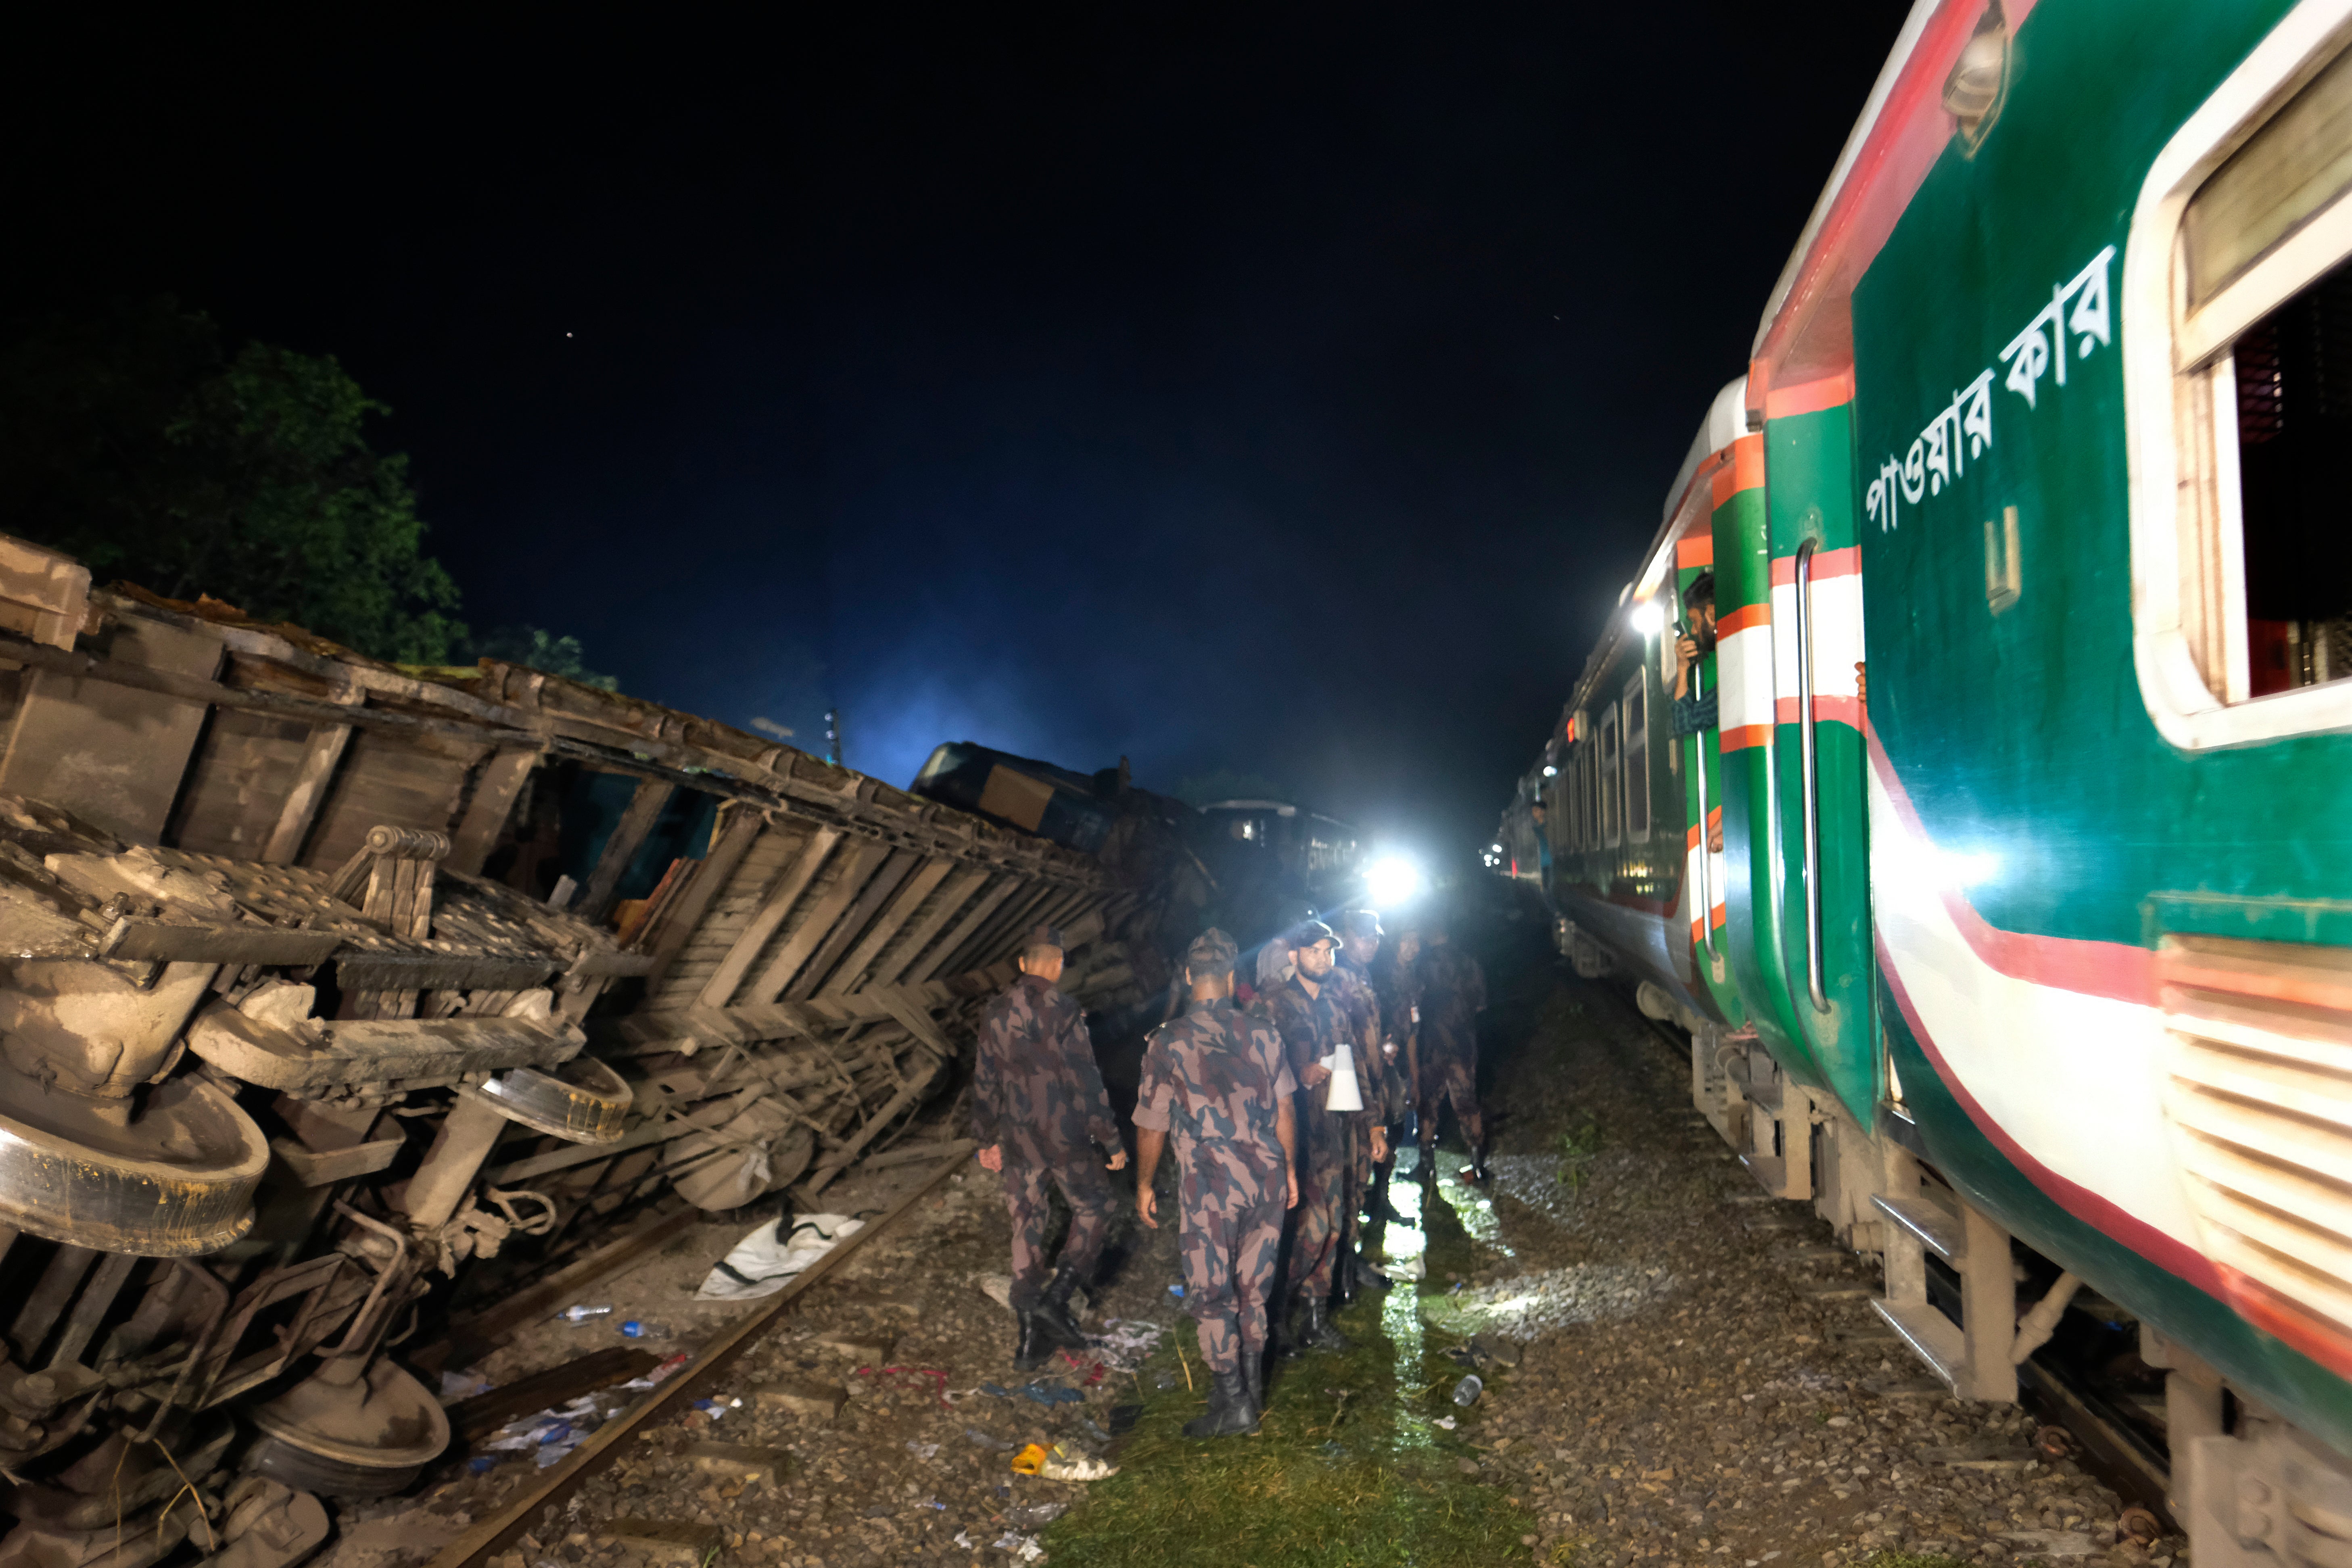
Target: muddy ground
{"type": "Point", "coordinates": [1676, 1370]}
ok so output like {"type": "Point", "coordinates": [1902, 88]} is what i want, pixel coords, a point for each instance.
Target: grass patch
{"type": "Point", "coordinates": [1578, 1147]}
{"type": "Point", "coordinates": [1337, 1476]}
{"type": "Point", "coordinates": [1347, 1471]}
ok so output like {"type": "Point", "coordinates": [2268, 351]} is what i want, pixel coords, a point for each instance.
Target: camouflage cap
{"type": "Point", "coordinates": [1044, 936]}
{"type": "Point", "coordinates": [1307, 933]}
{"type": "Point", "coordinates": [1212, 952]}
{"type": "Point", "coordinates": [1361, 922]}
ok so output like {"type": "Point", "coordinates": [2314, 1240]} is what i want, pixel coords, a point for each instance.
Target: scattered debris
{"type": "Point", "coordinates": [763, 1263]}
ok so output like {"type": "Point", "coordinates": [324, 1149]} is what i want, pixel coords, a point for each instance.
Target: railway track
{"type": "Point", "coordinates": [611, 1442]}
{"type": "Point", "coordinates": [2059, 1384]}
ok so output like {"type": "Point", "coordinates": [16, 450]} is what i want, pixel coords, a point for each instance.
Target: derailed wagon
{"type": "Point", "coordinates": [302, 1021]}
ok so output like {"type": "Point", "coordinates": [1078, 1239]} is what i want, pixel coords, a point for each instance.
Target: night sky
{"type": "Point", "coordinates": [1288, 392]}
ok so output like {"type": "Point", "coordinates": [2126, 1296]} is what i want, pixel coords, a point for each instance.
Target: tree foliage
{"type": "Point", "coordinates": [138, 443]}
{"type": "Point", "coordinates": [538, 648]}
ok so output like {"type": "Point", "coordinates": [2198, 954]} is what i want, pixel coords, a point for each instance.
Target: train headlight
{"type": "Point", "coordinates": [1392, 881]}
{"type": "Point", "coordinates": [1649, 617]}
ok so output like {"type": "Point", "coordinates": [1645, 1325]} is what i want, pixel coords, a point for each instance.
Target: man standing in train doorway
{"type": "Point", "coordinates": [1039, 1114]}
{"type": "Point", "coordinates": [1453, 994]}
{"type": "Point", "coordinates": [1313, 1018]}
{"type": "Point", "coordinates": [1217, 1078]}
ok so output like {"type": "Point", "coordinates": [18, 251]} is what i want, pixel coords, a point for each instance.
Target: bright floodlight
{"type": "Point", "coordinates": [1392, 881]}
{"type": "Point", "coordinates": [1648, 617]}
{"type": "Point", "coordinates": [1550, 771]}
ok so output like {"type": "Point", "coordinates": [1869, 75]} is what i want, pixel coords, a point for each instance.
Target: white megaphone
{"type": "Point", "coordinates": [1342, 1093]}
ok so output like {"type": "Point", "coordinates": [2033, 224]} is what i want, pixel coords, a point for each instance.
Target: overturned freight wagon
{"type": "Point", "coordinates": [301, 1018]}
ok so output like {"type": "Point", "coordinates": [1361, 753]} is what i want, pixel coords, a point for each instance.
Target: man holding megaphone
{"type": "Point", "coordinates": [1326, 1059]}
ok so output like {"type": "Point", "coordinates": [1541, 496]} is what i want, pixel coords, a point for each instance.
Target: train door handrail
{"type": "Point", "coordinates": [1809, 779]}
{"type": "Point", "coordinates": [1705, 889]}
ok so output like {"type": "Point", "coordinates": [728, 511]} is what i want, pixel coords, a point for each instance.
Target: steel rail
{"type": "Point", "coordinates": [493, 1535]}
{"type": "Point", "coordinates": [1810, 775]}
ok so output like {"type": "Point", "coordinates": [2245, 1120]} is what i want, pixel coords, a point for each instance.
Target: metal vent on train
{"type": "Point", "coordinates": [2261, 1089]}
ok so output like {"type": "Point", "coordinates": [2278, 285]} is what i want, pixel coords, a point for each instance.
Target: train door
{"type": "Point", "coordinates": [1755, 872]}
{"type": "Point", "coordinates": [1820, 802]}
{"type": "Point", "coordinates": [1699, 743]}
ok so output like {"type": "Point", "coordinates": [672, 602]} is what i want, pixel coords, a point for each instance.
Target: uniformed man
{"type": "Point", "coordinates": [1314, 1022]}
{"type": "Point", "coordinates": [1359, 942]}
{"type": "Point", "coordinates": [1396, 980]}
{"type": "Point", "coordinates": [1453, 994]}
{"type": "Point", "coordinates": [1217, 1078]}
{"type": "Point", "coordinates": [1039, 1113]}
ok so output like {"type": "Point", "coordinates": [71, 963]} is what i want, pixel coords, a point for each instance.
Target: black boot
{"type": "Point", "coordinates": [1317, 1334]}
{"type": "Point", "coordinates": [1367, 1276]}
{"type": "Point", "coordinates": [1229, 1414]}
{"type": "Point", "coordinates": [1253, 1379]}
{"type": "Point", "coordinates": [1054, 1306]}
{"type": "Point", "coordinates": [1036, 1344]}
{"type": "Point", "coordinates": [1343, 1279]}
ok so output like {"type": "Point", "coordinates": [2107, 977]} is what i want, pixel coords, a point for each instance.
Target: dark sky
{"type": "Point", "coordinates": [1289, 391]}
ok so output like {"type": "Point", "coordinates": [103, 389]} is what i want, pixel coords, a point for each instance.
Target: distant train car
{"type": "Point", "coordinates": [1072, 809]}
{"type": "Point", "coordinates": [1321, 854]}
{"type": "Point", "coordinates": [2028, 959]}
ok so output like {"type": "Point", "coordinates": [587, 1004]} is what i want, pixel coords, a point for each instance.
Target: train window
{"type": "Point", "coordinates": [1609, 835]}
{"type": "Point", "coordinates": [2237, 289]}
{"type": "Point", "coordinates": [1637, 760]}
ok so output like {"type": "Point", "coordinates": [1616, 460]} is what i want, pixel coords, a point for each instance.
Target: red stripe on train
{"type": "Point", "coordinates": [1846, 563]}
{"type": "Point", "coordinates": [2101, 1214]}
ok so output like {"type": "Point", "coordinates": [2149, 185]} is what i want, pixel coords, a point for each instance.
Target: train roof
{"type": "Point", "coordinates": [1803, 358]}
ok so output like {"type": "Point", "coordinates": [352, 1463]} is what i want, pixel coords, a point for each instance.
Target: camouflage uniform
{"type": "Point", "coordinates": [1217, 1078]}
{"type": "Point", "coordinates": [1037, 1093]}
{"type": "Point", "coordinates": [1453, 992]}
{"type": "Point", "coordinates": [1312, 1028]}
{"type": "Point", "coordinates": [1363, 1005]}
{"type": "Point", "coordinates": [1398, 986]}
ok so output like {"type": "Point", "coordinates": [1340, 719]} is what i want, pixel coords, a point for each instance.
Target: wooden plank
{"type": "Point", "coordinates": [477, 1546]}
{"type": "Point", "coordinates": [495, 794]}
{"type": "Point", "coordinates": [902, 908]}
{"type": "Point", "coordinates": [778, 903]}
{"type": "Point", "coordinates": [982, 908]}
{"type": "Point", "coordinates": [1016, 914]}
{"type": "Point", "coordinates": [308, 792]}
{"type": "Point", "coordinates": [804, 938]}
{"type": "Point", "coordinates": [917, 1020]}
{"type": "Point", "coordinates": [953, 901]}
{"type": "Point", "coordinates": [845, 929]}
{"type": "Point", "coordinates": [846, 1155]}
{"type": "Point", "coordinates": [621, 850]}
{"type": "Point", "coordinates": [684, 917]}
{"type": "Point", "coordinates": [915, 1153]}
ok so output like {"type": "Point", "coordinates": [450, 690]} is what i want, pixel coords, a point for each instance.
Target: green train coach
{"type": "Point", "coordinates": [1998, 856]}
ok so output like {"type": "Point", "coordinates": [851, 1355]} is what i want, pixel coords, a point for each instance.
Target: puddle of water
{"type": "Point", "coordinates": [1471, 1206]}
{"type": "Point", "coordinates": [1401, 1308]}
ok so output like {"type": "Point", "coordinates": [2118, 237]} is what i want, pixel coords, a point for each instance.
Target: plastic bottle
{"type": "Point", "coordinates": [637, 1331]}
{"type": "Point", "coordinates": [1466, 1392]}
{"type": "Point", "coordinates": [578, 1315]}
